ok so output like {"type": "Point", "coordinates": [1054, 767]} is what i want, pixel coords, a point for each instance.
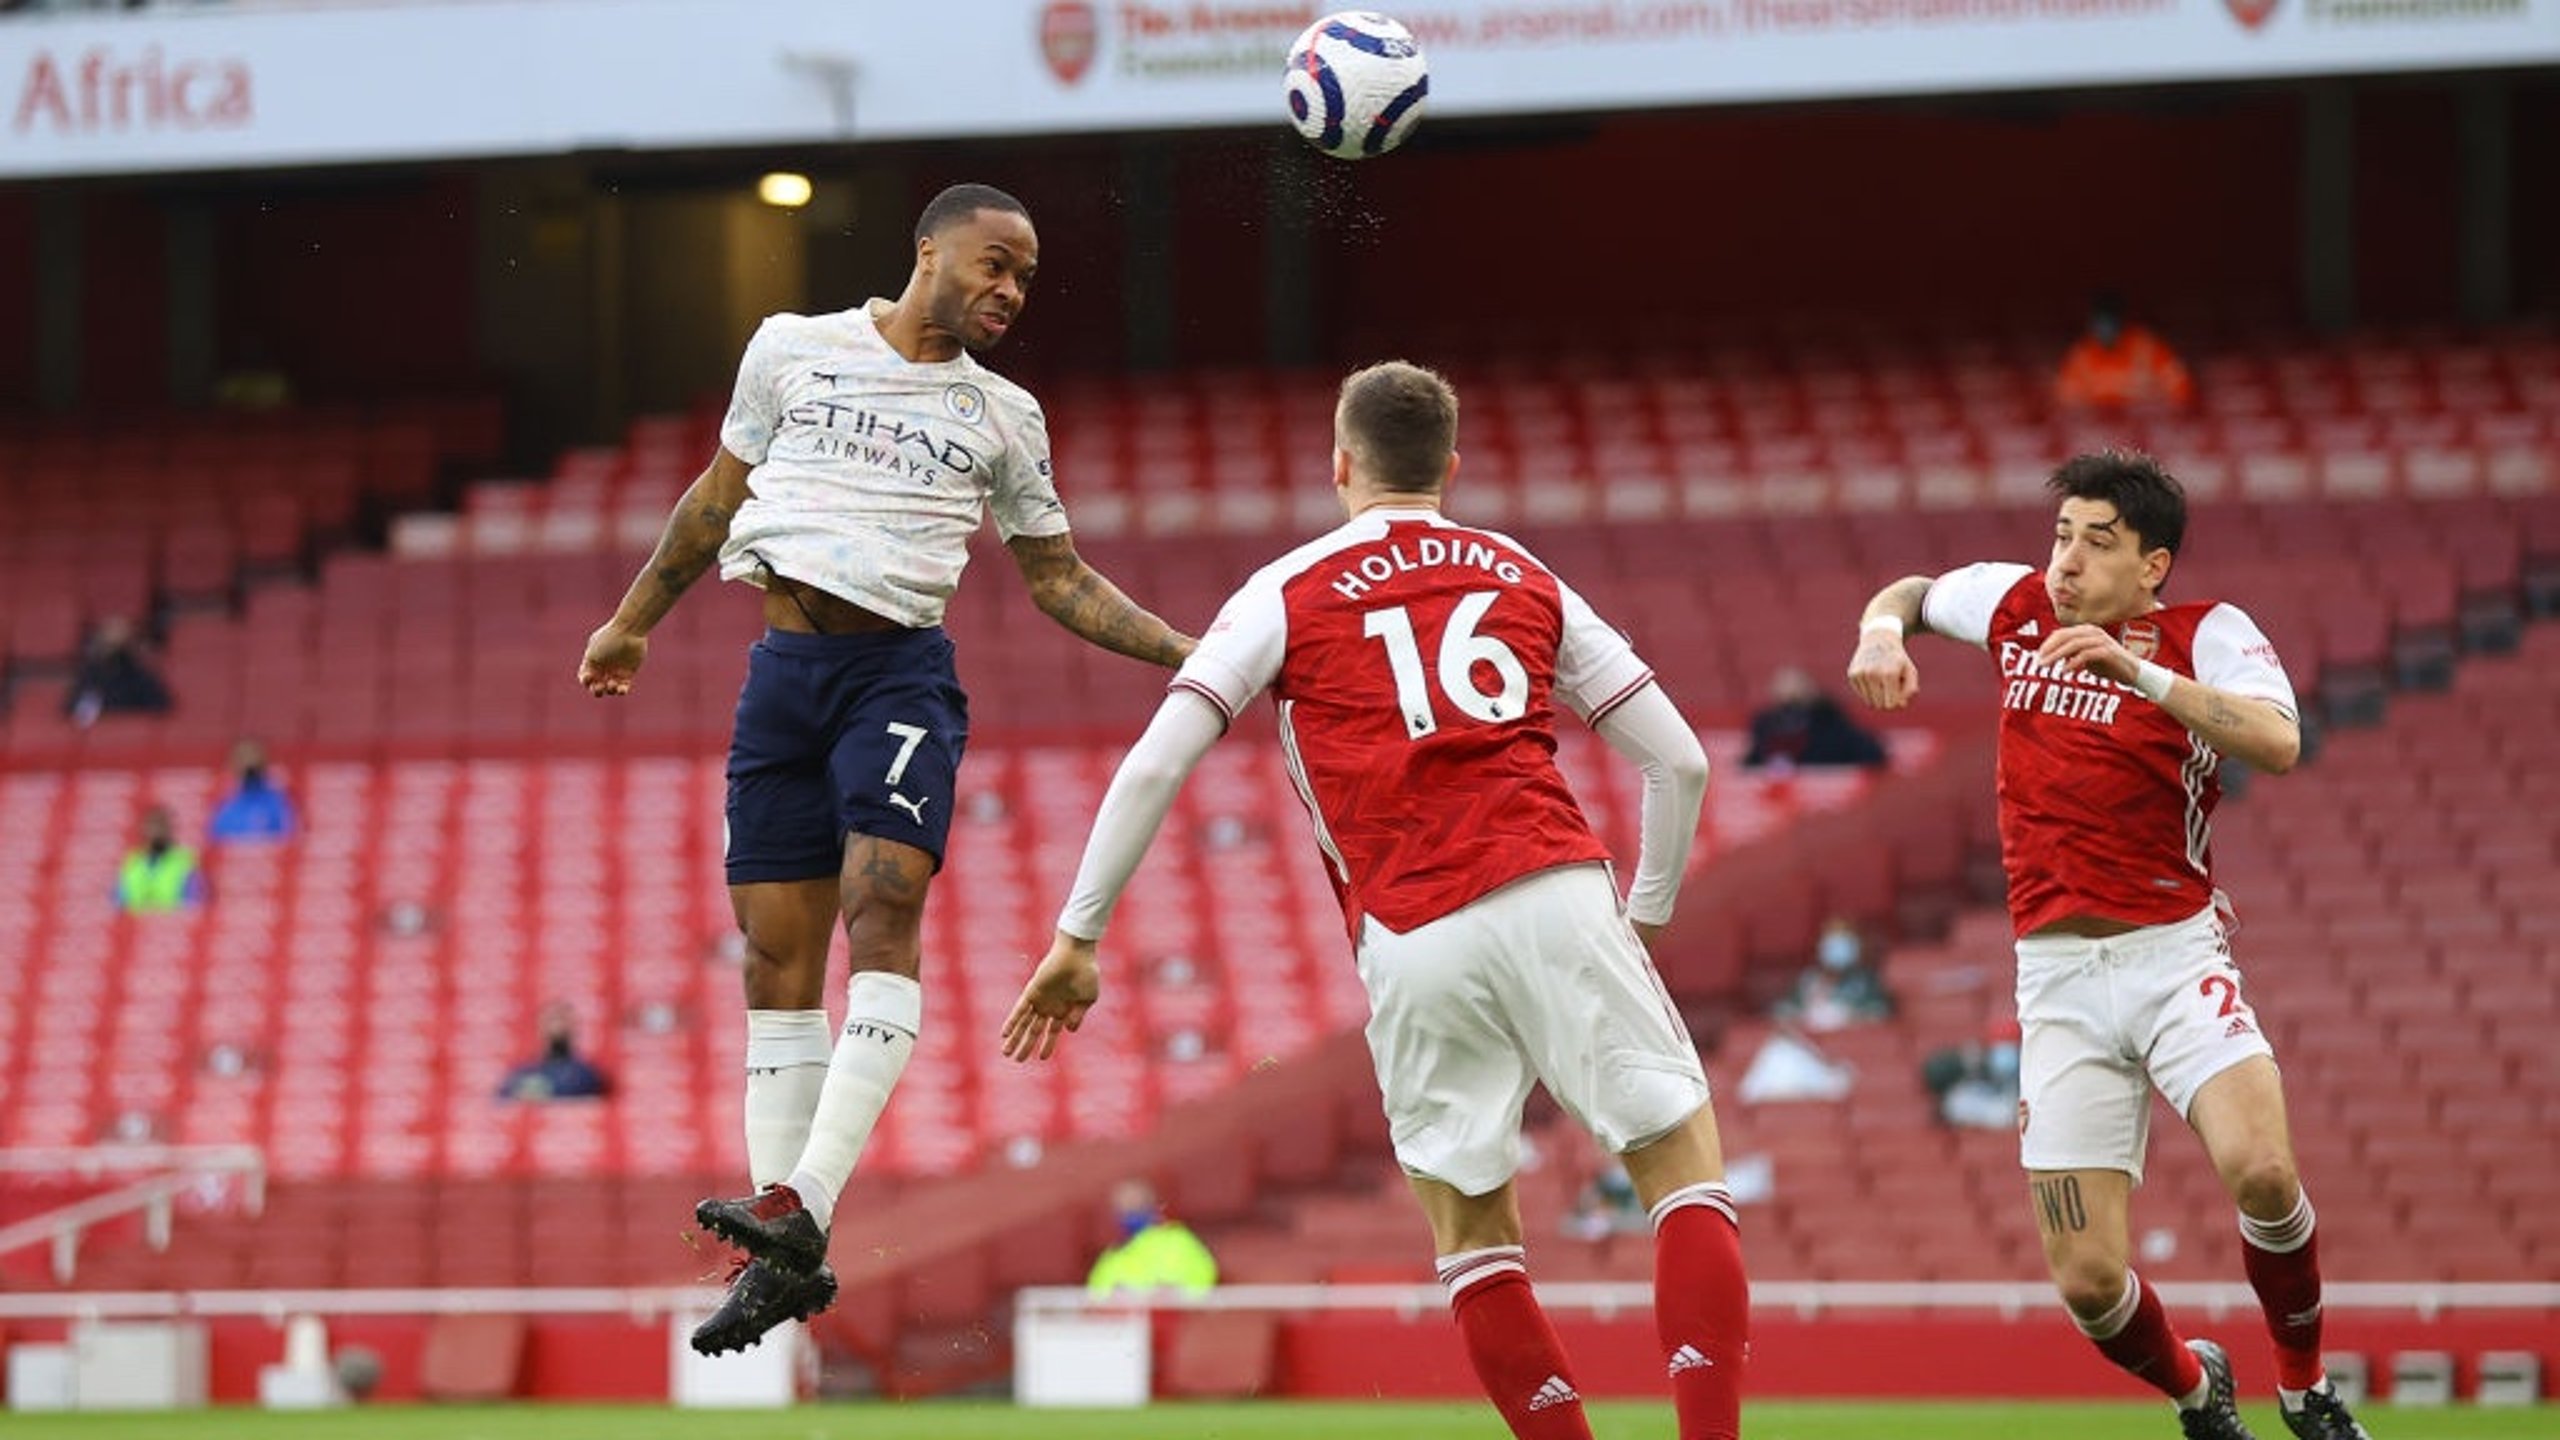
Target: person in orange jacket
{"type": "Point", "coordinates": [2117, 365]}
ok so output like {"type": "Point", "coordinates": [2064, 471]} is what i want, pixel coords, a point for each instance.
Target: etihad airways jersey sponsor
{"type": "Point", "coordinates": [1416, 663]}
{"type": "Point", "coordinates": [2106, 800]}
{"type": "Point", "coordinates": [872, 470]}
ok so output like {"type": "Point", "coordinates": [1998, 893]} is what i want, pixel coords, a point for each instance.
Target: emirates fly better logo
{"type": "Point", "coordinates": [1069, 34]}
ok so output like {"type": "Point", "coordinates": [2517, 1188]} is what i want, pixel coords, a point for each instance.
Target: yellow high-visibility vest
{"type": "Point", "coordinates": [152, 885]}
{"type": "Point", "coordinates": [1164, 1256]}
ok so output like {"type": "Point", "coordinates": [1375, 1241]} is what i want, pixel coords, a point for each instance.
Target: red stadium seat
{"type": "Point", "coordinates": [2386, 949]}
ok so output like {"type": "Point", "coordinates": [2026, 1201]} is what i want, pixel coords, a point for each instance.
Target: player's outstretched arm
{"type": "Point", "coordinates": [1880, 669]}
{"type": "Point", "coordinates": [1054, 1001]}
{"type": "Point", "coordinates": [2257, 733]}
{"type": "Point", "coordinates": [691, 542]}
{"type": "Point", "coordinates": [1069, 979]}
{"type": "Point", "coordinates": [1077, 596]}
{"type": "Point", "coordinates": [1649, 730]}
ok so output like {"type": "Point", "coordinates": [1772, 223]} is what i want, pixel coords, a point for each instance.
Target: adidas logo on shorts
{"type": "Point", "coordinates": [1688, 1358]}
{"type": "Point", "coordinates": [1554, 1392]}
{"type": "Point", "coordinates": [2239, 1026]}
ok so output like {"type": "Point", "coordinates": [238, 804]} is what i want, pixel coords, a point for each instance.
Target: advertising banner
{"type": "Point", "coordinates": [243, 86]}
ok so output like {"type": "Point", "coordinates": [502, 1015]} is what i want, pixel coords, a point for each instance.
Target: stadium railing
{"type": "Point", "coordinates": [179, 1168]}
{"type": "Point", "coordinates": [1942, 1339]}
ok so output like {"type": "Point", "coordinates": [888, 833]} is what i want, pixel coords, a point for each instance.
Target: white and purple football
{"type": "Point", "coordinates": [1356, 84]}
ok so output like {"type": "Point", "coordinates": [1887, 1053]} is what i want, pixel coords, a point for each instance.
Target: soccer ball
{"type": "Point", "coordinates": [1356, 81]}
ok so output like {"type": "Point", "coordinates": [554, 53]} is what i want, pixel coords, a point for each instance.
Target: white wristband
{"type": "Point", "coordinates": [1881, 622]}
{"type": "Point", "coordinates": [2151, 681]}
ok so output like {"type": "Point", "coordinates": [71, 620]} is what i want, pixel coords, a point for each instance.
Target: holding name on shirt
{"type": "Point", "coordinates": [1416, 663]}
{"type": "Point", "coordinates": [1379, 567]}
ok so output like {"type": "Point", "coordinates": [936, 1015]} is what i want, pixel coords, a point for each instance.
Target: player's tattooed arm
{"type": "Point", "coordinates": [1901, 600]}
{"type": "Point", "coordinates": [2257, 733]}
{"type": "Point", "coordinates": [1880, 670]}
{"type": "Point", "coordinates": [692, 540]}
{"type": "Point", "coordinates": [1077, 596]}
{"type": "Point", "coordinates": [695, 531]}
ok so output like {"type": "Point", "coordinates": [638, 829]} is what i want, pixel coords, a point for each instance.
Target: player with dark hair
{"type": "Point", "coordinates": [2116, 709]}
{"type": "Point", "coordinates": [961, 203]}
{"type": "Point", "coordinates": [860, 452]}
{"type": "Point", "coordinates": [1418, 664]}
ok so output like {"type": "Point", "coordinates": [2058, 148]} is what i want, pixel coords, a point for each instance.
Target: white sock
{"type": "Point", "coordinates": [2118, 1316]}
{"type": "Point", "coordinates": [882, 1013]}
{"type": "Point", "coordinates": [2281, 1237]}
{"type": "Point", "coordinates": [1470, 1267]}
{"type": "Point", "coordinates": [1711, 1194]}
{"type": "Point", "coordinates": [786, 1064]}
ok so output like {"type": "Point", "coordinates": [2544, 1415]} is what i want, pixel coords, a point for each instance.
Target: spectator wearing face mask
{"type": "Point", "coordinates": [159, 875]}
{"type": "Point", "coordinates": [559, 1072]}
{"type": "Point", "coordinates": [1156, 1252]}
{"type": "Point", "coordinates": [1801, 727]}
{"type": "Point", "coordinates": [1976, 1083]}
{"type": "Point", "coordinates": [115, 677]}
{"type": "Point", "coordinates": [257, 810]}
{"type": "Point", "coordinates": [1839, 989]}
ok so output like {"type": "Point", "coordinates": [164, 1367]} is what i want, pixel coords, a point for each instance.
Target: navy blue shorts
{"type": "Point", "coordinates": [841, 735]}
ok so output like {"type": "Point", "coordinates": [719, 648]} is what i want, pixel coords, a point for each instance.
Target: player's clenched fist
{"type": "Point", "coordinates": [1054, 1000]}
{"type": "Point", "coordinates": [2087, 649]}
{"type": "Point", "coordinates": [1881, 672]}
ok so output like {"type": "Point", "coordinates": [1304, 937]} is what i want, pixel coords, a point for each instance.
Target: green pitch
{"type": "Point", "coordinates": [1891, 1420]}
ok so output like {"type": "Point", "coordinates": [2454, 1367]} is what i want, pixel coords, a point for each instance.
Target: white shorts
{"type": "Point", "coordinates": [2102, 1020]}
{"type": "Point", "coordinates": [1542, 980]}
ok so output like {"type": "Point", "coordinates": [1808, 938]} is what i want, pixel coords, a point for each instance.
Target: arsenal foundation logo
{"type": "Point", "coordinates": [2251, 13]}
{"type": "Point", "coordinates": [1069, 35]}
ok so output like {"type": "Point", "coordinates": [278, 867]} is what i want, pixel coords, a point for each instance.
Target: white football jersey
{"type": "Point", "coordinates": [872, 471]}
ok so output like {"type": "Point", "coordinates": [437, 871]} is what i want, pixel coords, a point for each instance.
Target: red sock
{"type": "Point", "coordinates": [1702, 1309]}
{"type": "Point", "coordinates": [2288, 1284]}
{"type": "Point", "coordinates": [1517, 1356]}
{"type": "Point", "coordinates": [2145, 1344]}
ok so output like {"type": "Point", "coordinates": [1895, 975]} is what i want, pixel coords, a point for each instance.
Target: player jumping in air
{"type": "Point", "coordinates": [2116, 708]}
{"type": "Point", "coordinates": [860, 452]}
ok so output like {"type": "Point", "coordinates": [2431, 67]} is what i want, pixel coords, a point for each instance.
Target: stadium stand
{"type": "Point", "coordinates": [1805, 429]}
{"type": "Point", "coordinates": [559, 848]}
{"type": "Point", "coordinates": [2400, 927]}
{"type": "Point", "coordinates": [172, 519]}
{"type": "Point", "coordinates": [595, 880]}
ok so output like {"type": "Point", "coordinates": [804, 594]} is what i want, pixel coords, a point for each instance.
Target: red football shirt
{"type": "Point", "coordinates": [2106, 800]}
{"type": "Point", "coordinates": [1416, 663]}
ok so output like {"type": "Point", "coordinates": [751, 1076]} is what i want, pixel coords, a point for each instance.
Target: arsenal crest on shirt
{"type": "Point", "coordinates": [2141, 639]}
